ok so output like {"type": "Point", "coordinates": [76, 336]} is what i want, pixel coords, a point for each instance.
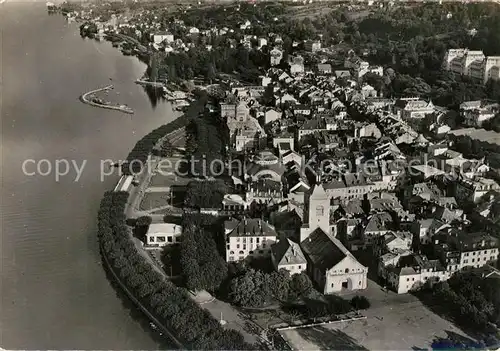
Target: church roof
{"type": "Point", "coordinates": [324, 251]}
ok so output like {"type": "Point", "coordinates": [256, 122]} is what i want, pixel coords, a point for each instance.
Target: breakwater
{"type": "Point", "coordinates": [86, 100]}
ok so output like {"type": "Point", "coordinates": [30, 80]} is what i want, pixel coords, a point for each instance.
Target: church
{"type": "Point", "coordinates": [329, 264]}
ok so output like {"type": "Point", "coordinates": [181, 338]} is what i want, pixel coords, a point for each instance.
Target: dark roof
{"type": "Point", "coordinates": [323, 251]}
{"type": "Point", "coordinates": [288, 252]}
{"type": "Point", "coordinates": [285, 146]}
{"type": "Point", "coordinates": [250, 227]}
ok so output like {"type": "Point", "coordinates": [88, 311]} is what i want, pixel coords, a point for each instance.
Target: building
{"type": "Point", "coordinates": [473, 64]}
{"type": "Point", "coordinates": [330, 265]}
{"type": "Point", "coordinates": [491, 68]}
{"type": "Point", "coordinates": [471, 190]}
{"type": "Point", "coordinates": [161, 234]}
{"type": "Point", "coordinates": [288, 255]}
{"type": "Point", "coordinates": [271, 115]}
{"type": "Point", "coordinates": [261, 42]}
{"type": "Point", "coordinates": [318, 213]}
{"type": "Point", "coordinates": [310, 127]}
{"type": "Point", "coordinates": [368, 91]}
{"type": "Point", "coordinates": [312, 45]}
{"type": "Point", "coordinates": [249, 237]}
{"type": "Point", "coordinates": [296, 65]}
{"type": "Point", "coordinates": [412, 271]}
{"type": "Point", "coordinates": [356, 185]}
{"type": "Point", "coordinates": [464, 62]}
{"type": "Point", "coordinates": [276, 56]}
{"type": "Point", "coordinates": [412, 108]}
{"type": "Point", "coordinates": [265, 192]}
{"type": "Point", "coordinates": [458, 250]}
{"type": "Point", "coordinates": [234, 204]}
{"type": "Point", "coordinates": [161, 37]}
{"type": "Point", "coordinates": [475, 113]}
{"type": "Point", "coordinates": [284, 143]}
{"type": "Point", "coordinates": [324, 68]}
{"type": "Point", "coordinates": [244, 130]}
{"type": "Point", "coordinates": [365, 130]}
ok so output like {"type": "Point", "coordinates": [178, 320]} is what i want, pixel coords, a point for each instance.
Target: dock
{"type": "Point", "coordinates": [153, 84]}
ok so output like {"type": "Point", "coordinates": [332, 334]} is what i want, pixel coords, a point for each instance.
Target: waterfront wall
{"type": "Point", "coordinates": [151, 317]}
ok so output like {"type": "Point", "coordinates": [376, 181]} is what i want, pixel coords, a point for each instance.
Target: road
{"type": "Point", "coordinates": [233, 317]}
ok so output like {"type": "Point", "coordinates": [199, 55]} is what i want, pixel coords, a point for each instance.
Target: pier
{"type": "Point", "coordinates": [153, 84]}
{"type": "Point", "coordinates": [85, 99]}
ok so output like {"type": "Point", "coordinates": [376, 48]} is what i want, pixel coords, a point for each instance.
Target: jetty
{"type": "Point", "coordinates": [147, 82]}
{"type": "Point", "coordinates": [90, 99]}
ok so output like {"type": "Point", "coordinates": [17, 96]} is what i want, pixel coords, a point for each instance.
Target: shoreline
{"type": "Point", "coordinates": [148, 313]}
{"type": "Point", "coordinates": [83, 98]}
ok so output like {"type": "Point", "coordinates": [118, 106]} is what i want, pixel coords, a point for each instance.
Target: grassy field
{"type": "Point", "coordinates": [154, 200]}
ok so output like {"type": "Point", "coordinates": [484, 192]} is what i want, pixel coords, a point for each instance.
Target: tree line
{"type": "Point", "coordinates": [139, 154]}
{"type": "Point", "coordinates": [203, 268]}
{"type": "Point", "coordinates": [170, 304]}
{"type": "Point", "coordinates": [472, 300]}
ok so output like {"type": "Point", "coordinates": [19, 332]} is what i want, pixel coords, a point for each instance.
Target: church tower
{"type": "Point", "coordinates": [318, 212]}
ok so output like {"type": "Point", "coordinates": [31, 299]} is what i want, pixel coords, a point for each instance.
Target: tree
{"type": "Point", "coordinates": [253, 289]}
{"type": "Point", "coordinates": [143, 221]}
{"type": "Point", "coordinates": [281, 284]}
{"type": "Point", "coordinates": [360, 302]}
{"type": "Point", "coordinates": [210, 75]}
{"type": "Point", "coordinates": [301, 285]}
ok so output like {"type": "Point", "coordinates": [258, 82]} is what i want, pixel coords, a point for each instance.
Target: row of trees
{"type": "Point", "coordinates": [470, 299]}
{"type": "Point", "coordinates": [194, 326]}
{"type": "Point", "coordinates": [138, 156]}
{"type": "Point", "coordinates": [202, 266]}
{"type": "Point", "coordinates": [207, 138]}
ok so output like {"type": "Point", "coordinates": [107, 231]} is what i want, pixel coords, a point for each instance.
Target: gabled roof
{"type": "Point", "coordinates": [378, 222]}
{"type": "Point", "coordinates": [319, 193]}
{"type": "Point", "coordinates": [353, 207]}
{"type": "Point", "coordinates": [287, 252]}
{"type": "Point", "coordinates": [250, 227]}
{"type": "Point", "coordinates": [324, 251]}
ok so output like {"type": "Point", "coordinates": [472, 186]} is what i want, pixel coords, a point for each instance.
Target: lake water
{"type": "Point", "coordinates": [54, 291]}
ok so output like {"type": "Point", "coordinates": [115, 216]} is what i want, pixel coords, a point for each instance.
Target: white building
{"type": "Point", "coordinates": [312, 45]}
{"type": "Point", "coordinates": [248, 238]}
{"type": "Point", "coordinates": [276, 56]}
{"type": "Point", "coordinates": [288, 255]}
{"type": "Point", "coordinates": [271, 115]}
{"type": "Point", "coordinates": [161, 234]}
{"type": "Point", "coordinates": [475, 113]}
{"type": "Point", "coordinates": [473, 64]}
{"type": "Point", "coordinates": [161, 37]}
